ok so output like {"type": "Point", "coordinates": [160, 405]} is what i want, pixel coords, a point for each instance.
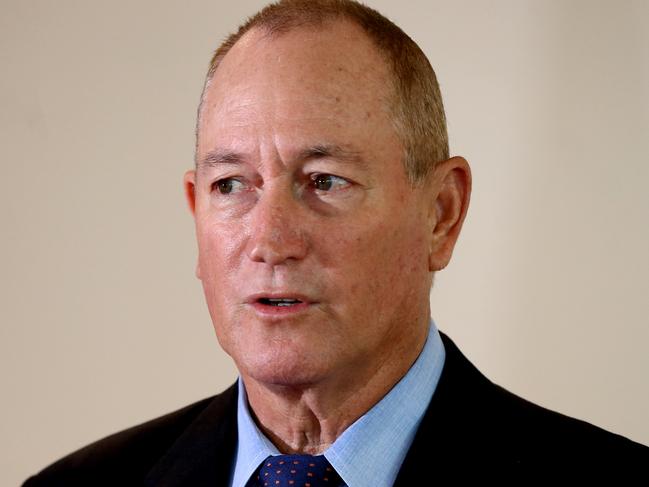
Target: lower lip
{"type": "Point", "coordinates": [270, 310]}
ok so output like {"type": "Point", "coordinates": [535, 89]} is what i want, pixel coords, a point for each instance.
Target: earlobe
{"type": "Point", "coordinates": [432, 266]}
{"type": "Point", "coordinates": [437, 257]}
{"type": "Point", "coordinates": [434, 216]}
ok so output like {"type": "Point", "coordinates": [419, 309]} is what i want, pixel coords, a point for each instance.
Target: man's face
{"type": "Point", "coordinates": [313, 246]}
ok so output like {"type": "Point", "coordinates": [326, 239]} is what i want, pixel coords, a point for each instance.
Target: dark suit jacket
{"type": "Point", "coordinates": [473, 429]}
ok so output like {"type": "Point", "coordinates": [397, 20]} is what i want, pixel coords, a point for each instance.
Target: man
{"type": "Point", "coordinates": [325, 200]}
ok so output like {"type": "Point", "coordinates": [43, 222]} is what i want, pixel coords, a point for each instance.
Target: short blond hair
{"type": "Point", "coordinates": [417, 109]}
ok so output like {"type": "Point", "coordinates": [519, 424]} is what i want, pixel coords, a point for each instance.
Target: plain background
{"type": "Point", "coordinates": [103, 324]}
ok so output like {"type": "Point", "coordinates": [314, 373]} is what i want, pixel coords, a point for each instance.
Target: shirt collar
{"type": "Point", "coordinates": [370, 452]}
{"type": "Point", "coordinates": [253, 447]}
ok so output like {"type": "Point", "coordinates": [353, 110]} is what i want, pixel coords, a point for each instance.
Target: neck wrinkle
{"type": "Point", "coordinates": [303, 422]}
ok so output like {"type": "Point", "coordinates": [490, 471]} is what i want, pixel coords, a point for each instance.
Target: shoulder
{"type": "Point", "coordinates": [508, 426]}
{"type": "Point", "coordinates": [125, 457]}
{"type": "Point", "coordinates": [533, 432]}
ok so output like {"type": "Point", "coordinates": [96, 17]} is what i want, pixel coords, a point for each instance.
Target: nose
{"type": "Point", "coordinates": [277, 233]}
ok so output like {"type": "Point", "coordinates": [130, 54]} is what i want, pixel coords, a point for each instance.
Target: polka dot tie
{"type": "Point", "coordinates": [296, 471]}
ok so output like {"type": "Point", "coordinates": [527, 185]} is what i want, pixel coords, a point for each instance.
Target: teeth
{"type": "Point", "coordinates": [280, 301]}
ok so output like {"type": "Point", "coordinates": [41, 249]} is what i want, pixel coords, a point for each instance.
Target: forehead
{"type": "Point", "coordinates": [306, 81]}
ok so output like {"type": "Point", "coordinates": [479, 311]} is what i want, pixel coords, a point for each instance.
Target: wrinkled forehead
{"type": "Point", "coordinates": [331, 69]}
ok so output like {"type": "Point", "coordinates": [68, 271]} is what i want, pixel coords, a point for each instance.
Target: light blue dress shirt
{"type": "Point", "coordinates": [371, 450]}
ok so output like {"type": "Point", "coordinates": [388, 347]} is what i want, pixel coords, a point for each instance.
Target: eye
{"type": "Point", "coordinates": [228, 185]}
{"type": "Point", "coordinates": [328, 182]}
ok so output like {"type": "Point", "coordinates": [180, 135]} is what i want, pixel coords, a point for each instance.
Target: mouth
{"type": "Point", "coordinates": [279, 301]}
{"type": "Point", "coordinates": [277, 305]}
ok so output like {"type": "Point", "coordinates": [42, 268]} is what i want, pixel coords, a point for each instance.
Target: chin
{"type": "Point", "coordinates": [283, 371]}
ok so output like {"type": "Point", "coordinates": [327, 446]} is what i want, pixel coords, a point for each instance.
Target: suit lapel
{"type": "Point", "coordinates": [203, 454]}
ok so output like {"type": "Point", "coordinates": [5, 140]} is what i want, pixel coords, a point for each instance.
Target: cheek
{"type": "Point", "coordinates": [386, 261]}
{"type": "Point", "coordinates": [219, 282]}
{"type": "Point", "coordinates": [217, 250]}
{"type": "Point", "coordinates": [218, 243]}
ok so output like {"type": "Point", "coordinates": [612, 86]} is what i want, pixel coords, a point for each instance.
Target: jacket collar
{"type": "Point", "coordinates": [202, 455]}
{"type": "Point", "coordinates": [455, 426]}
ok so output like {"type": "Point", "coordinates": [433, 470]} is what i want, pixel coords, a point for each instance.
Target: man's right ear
{"type": "Point", "coordinates": [189, 182]}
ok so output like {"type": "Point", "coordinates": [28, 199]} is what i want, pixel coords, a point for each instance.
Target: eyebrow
{"type": "Point", "coordinates": [218, 156]}
{"type": "Point", "coordinates": [333, 151]}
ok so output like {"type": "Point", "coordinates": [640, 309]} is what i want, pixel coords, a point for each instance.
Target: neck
{"type": "Point", "coordinates": [307, 419]}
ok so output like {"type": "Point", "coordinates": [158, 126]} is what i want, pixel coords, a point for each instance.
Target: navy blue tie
{"type": "Point", "coordinates": [296, 471]}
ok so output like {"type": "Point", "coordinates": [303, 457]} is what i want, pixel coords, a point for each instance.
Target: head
{"type": "Point", "coordinates": [414, 98]}
{"type": "Point", "coordinates": [322, 207]}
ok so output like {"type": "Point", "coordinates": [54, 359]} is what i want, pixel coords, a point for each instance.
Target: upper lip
{"type": "Point", "coordinates": [253, 298]}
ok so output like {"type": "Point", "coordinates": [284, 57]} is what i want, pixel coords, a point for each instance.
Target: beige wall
{"type": "Point", "coordinates": [103, 324]}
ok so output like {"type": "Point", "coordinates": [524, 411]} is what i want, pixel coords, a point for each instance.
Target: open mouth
{"type": "Point", "coordinates": [280, 302]}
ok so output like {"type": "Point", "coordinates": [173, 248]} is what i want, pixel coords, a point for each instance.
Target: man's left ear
{"type": "Point", "coordinates": [451, 194]}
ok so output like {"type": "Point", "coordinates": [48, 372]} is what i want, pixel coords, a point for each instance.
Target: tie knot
{"type": "Point", "coordinates": [297, 471]}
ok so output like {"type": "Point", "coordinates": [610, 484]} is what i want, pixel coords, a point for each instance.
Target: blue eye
{"type": "Point", "coordinates": [327, 182]}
